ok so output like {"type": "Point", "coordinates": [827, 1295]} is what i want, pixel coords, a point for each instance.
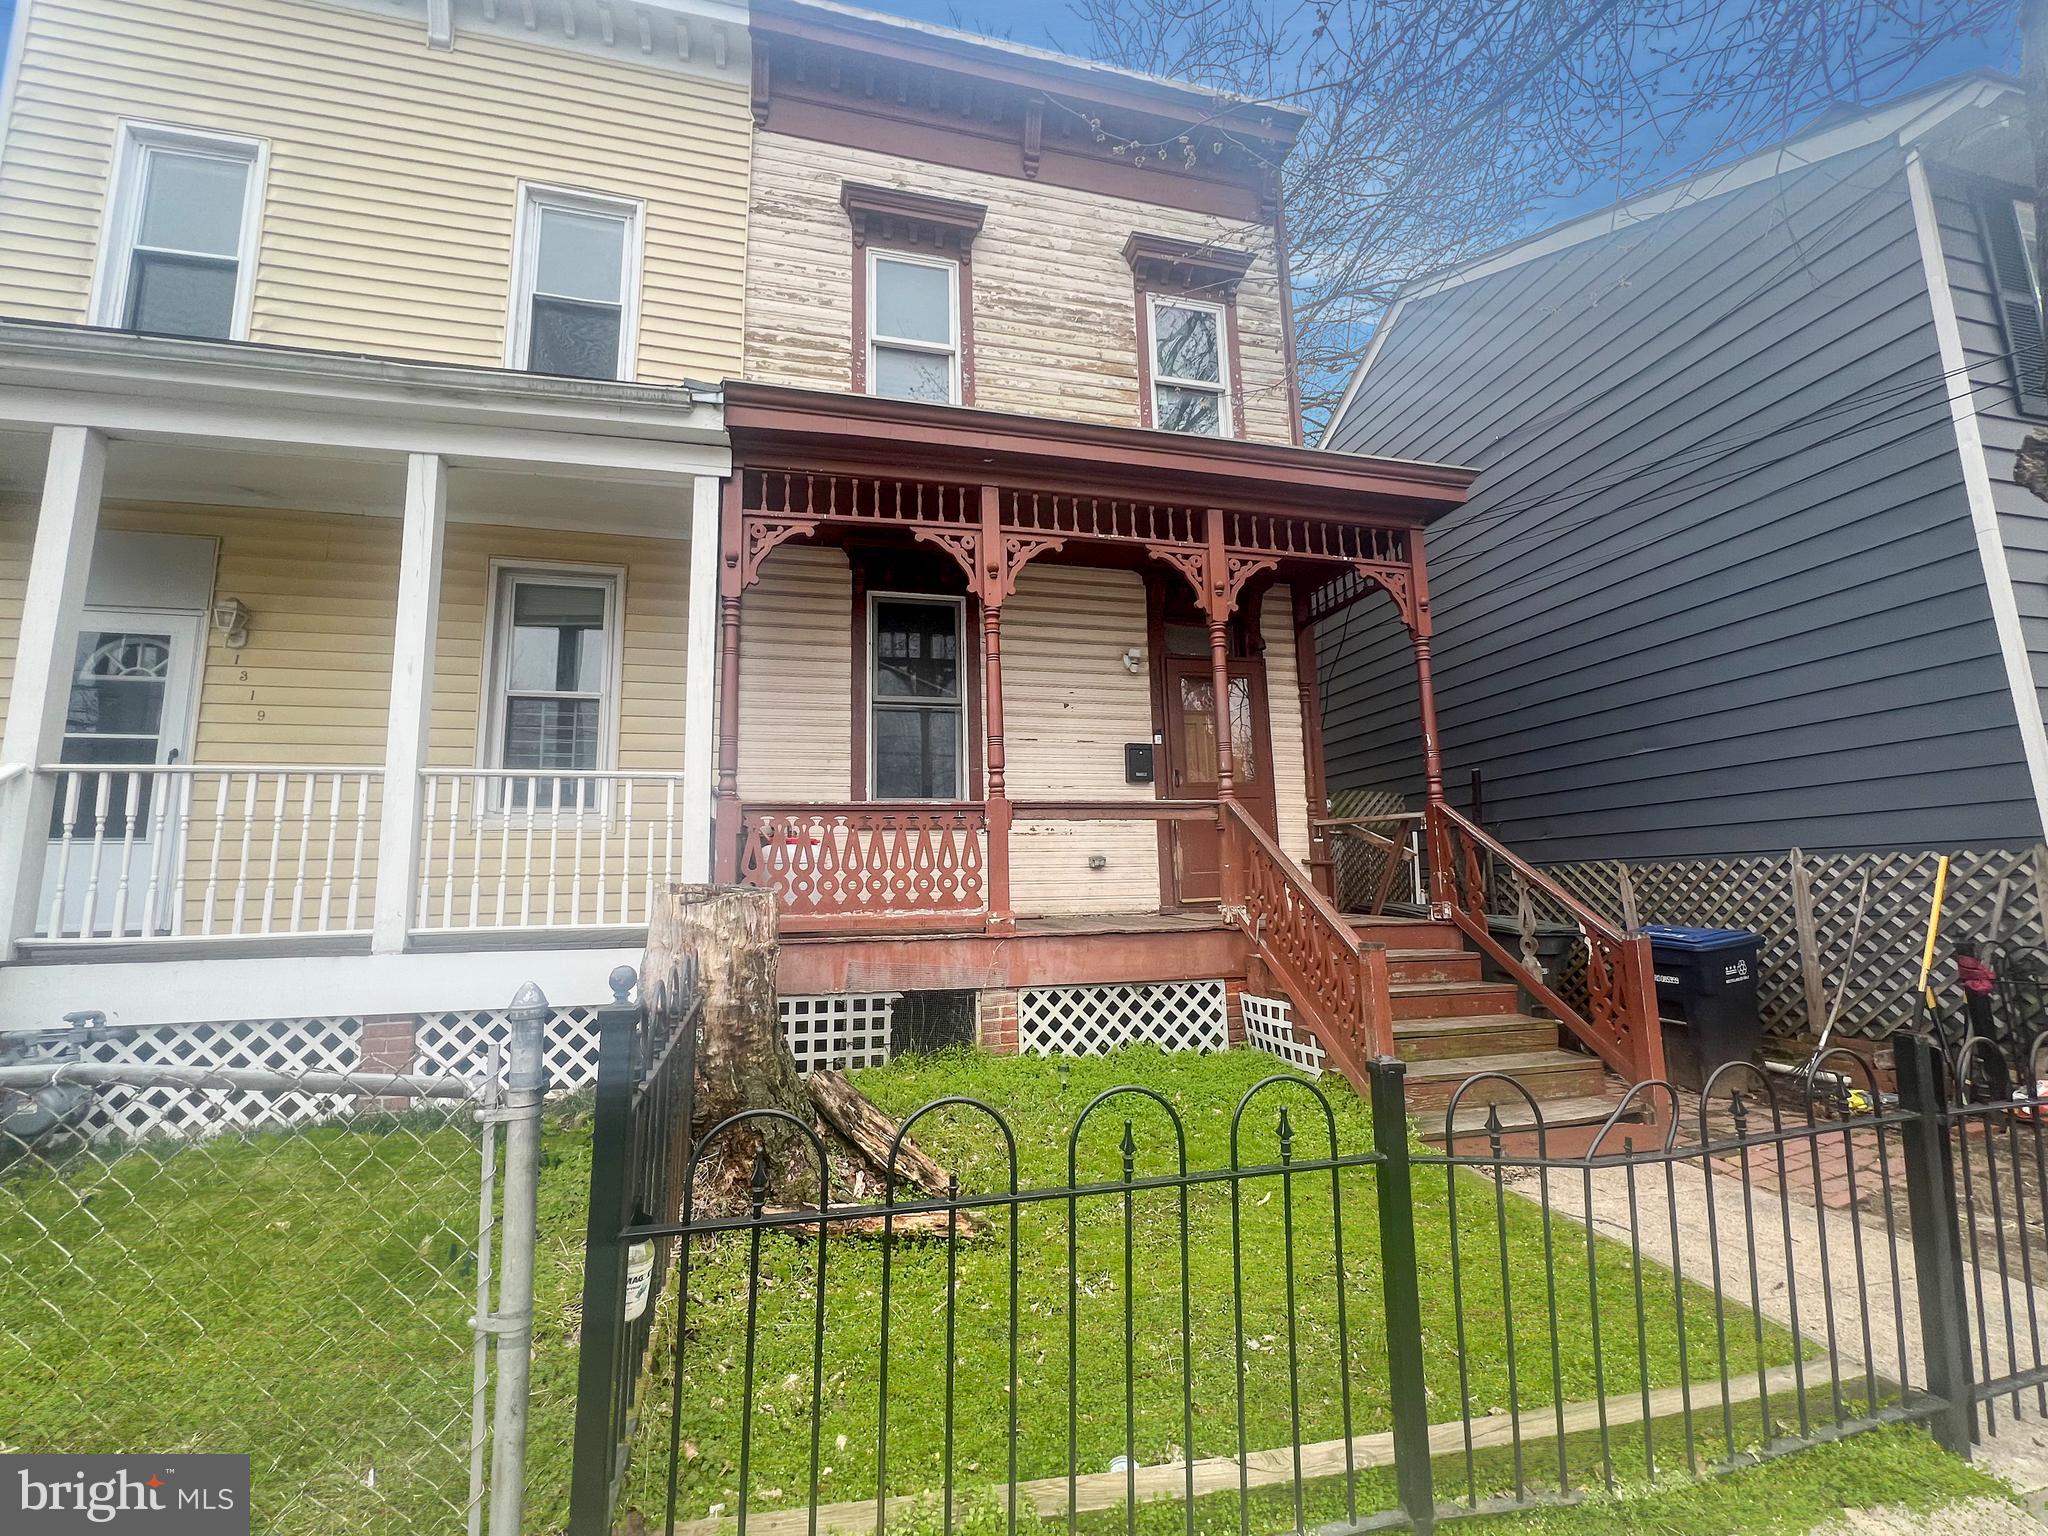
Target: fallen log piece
{"type": "Point", "coordinates": [853, 1115]}
{"type": "Point", "coordinates": [907, 1224]}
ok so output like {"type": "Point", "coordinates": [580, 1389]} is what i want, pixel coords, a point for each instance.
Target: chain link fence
{"type": "Point", "coordinates": [328, 1270]}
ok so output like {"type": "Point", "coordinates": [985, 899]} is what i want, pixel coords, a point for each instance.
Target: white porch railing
{"type": "Point", "coordinates": [210, 852]}
{"type": "Point", "coordinates": [501, 850]}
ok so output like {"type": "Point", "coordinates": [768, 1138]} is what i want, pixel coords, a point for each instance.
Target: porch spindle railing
{"type": "Point", "coordinates": [506, 850]}
{"type": "Point", "coordinates": [837, 865]}
{"type": "Point", "coordinates": [1619, 1021]}
{"type": "Point", "coordinates": [1338, 983]}
{"type": "Point", "coordinates": [196, 851]}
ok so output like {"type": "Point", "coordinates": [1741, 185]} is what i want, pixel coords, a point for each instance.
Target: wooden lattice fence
{"type": "Point", "coordinates": [1359, 865]}
{"type": "Point", "coordinates": [1994, 896]}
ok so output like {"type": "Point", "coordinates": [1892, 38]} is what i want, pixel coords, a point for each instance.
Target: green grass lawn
{"type": "Point", "coordinates": [307, 1296]}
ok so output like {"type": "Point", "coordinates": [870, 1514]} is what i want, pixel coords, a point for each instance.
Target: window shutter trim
{"type": "Point", "coordinates": [2006, 251]}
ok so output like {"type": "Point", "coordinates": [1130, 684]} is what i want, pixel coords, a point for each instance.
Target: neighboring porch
{"type": "Point", "coordinates": [322, 661]}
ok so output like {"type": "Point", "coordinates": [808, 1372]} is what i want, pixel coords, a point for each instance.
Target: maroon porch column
{"type": "Point", "coordinates": [989, 581]}
{"type": "Point", "coordinates": [725, 850]}
{"type": "Point", "coordinates": [1419, 628]}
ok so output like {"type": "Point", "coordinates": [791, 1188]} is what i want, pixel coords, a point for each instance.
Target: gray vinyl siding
{"type": "Point", "coordinates": [1716, 589]}
{"type": "Point", "coordinates": [2022, 518]}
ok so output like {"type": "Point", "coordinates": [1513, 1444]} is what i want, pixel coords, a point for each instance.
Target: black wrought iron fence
{"type": "Point", "coordinates": [640, 1139]}
{"type": "Point", "coordinates": [1330, 1326]}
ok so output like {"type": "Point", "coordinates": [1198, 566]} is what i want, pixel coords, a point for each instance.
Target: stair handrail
{"type": "Point", "coordinates": [1623, 1029]}
{"type": "Point", "coordinates": [1338, 983]}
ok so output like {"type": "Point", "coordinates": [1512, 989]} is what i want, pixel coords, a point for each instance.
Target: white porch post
{"type": "Point", "coordinates": [412, 694]}
{"type": "Point", "coordinates": [62, 556]}
{"type": "Point", "coordinates": [700, 681]}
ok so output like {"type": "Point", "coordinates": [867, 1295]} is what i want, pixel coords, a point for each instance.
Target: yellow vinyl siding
{"type": "Point", "coordinates": [1069, 705]}
{"type": "Point", "coordinates": [796, 678]}
{"type": "Point", "coordinates": [17, 539]}
{"type": "Point", "coordinates": [387, 218]}
{"type": "Point", "coordinates": [1283, 710]}
{"type": "Point", "coordinates": [1054, 302]}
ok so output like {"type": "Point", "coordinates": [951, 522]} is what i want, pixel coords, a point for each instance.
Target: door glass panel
{"type": "Point", "coordinates": [1244, 761]}
{"type": "Point", "coordinates": [1198, 730]}
{"type": "Point", "coordinates": [114, 715]}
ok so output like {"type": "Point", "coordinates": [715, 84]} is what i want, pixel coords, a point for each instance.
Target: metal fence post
{"type": "Point", "coordinates": [1405, 1385]}
{"type": "Point", "coordinates": [600, 1348]}
{"type": "Point", "coordinates": [1937, 1246]}
{"type": "Point", "coordinates": [526, 1085]}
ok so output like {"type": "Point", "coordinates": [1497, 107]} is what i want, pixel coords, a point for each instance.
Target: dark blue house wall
{"type": "Point", "coordinates": [1716, 590]}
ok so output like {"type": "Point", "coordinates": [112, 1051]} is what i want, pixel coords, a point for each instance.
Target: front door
{"type": "Point", "coordinates": [1191, 764]}
{"type": "Point", "coordinates": [130, 703]}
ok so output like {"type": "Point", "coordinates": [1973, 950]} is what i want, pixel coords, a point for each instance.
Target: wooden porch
{"type": "Point", "coordinates": [897, 893]}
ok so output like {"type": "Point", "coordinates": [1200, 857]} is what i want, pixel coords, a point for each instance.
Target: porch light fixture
{"type": "Point", "coordinates": [231, 620]}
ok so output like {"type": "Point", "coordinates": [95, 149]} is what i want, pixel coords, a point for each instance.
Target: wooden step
{"type": "Point", "coordinates": [1569, 1127]}
{"type": "Point", "coordinates": [1405, 965]}
{"type": "Point", "coordinates": [1407, 932]}
{"type": "Point", "coordinates": [1483, 1034]}
{"type": "Point", "coordinates": [1453, 999]}
{"type": "Point", "coordinates": [1551, 1074]}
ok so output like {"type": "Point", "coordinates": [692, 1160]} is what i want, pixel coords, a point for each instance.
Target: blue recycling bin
{"type": "Point", "coordinates": [1706, 999]}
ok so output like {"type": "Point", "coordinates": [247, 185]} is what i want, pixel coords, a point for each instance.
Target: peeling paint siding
{"type": "Point", "coordinates": [796, 679]}
{"type": "Point", "coordinates": [388, 209]}
{"type": "Point", "coordinates": [1055, 309]}
{"type": "Point", "coordinates": [1283, 709]}
{"type": "Point", "coordinates": [1069, 705]}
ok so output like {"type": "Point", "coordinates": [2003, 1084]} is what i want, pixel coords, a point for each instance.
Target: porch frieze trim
{"type": "Point", "coordinates": [763, 534]}
{"type": "Point", "coordinates": [963, 544]}
{"type": "Point", "coordinates": [1019, 550]}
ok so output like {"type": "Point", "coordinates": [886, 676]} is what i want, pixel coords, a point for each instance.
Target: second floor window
{"type": "Point", "coordinates": [180, 240]}
{"type": "Point", "coordinates": [576, 279]}
{"type": "Point", "coordinates": [2015, 271]}
{"type": "Point", "coordinates": [913, 327]}
{"type": "Point", "coordinates": [1189, 369]}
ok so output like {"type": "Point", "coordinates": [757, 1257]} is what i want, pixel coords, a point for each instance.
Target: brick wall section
{"type": "Point", "coordinates": [995, 1021]}
{"type": "Point", "coordinates": [388, 1043]}
{"type": "Point", "coordinates": [388, 1047]}
{"type": "Point", "coordinates": [1233, 1012]}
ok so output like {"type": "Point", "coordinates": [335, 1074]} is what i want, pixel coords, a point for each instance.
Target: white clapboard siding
{"type": "Point", "coordinates": [1055, 310]}
{"type": "Point", "coordinates": [796, 678]}
{"type": "Point", "coordinates": [1283, 705]}
{"type": "Point", "coordinates": [393, 168]}
{"type": "Point", "coordinates": [1069, 705]}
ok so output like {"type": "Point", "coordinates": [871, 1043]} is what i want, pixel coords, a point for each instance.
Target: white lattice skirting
{"type": "Point", "coordinates": [460, 1043]}
{"type": "Point", "coordinates": [1269, 1027]}
{"type": "Point", "coordinates": [1086, 1021]}
{"type": "Point", "coordinates": [846, 1031]}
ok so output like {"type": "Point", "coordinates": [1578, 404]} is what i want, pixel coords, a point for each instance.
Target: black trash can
{"type": "Point", "coordinates": [1706, 997]}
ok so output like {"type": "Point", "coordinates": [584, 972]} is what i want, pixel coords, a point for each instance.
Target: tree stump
{"type": "Point", "coordinates": [727, 937]}
{"type": "Point", "coordinates": [743, 1062]}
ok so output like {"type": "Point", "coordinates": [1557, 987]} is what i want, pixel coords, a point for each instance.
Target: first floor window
{"type": "Point", "coordinates": [553, 689]}
{"type": "Point", "coordinates": [913, 327]}
{"type": "Point", "coordinates": [179, 243]}
{"type": "Point", "coordinates": [1189, 368]}
{"type": "Point", "coordinates": [575, 285]}
{"type": "Point", "coordinates": [918, 725]}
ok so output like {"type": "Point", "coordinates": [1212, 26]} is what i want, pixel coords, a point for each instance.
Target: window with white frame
{"type": "Point", "coordinates": [913, 327]}
{"type": "Point", "coordinates": [576, 284]}
{"type": "Point", "coordinates": [918, 724]}
{"type": "Point", "coordinates": [1189, 368]}
{"type": "Point", "coordinates": [552, 690]}
{"type": "Point", "coordinates": [180, 244]}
